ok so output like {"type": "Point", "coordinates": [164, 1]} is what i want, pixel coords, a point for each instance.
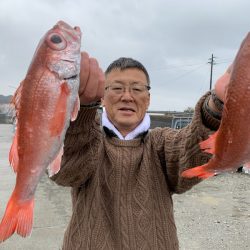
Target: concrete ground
{"type": "Point", "coordinates": [213, 215]}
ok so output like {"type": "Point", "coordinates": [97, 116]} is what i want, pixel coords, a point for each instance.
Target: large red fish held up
{"type": "Point", "coordinates": [45, 102]}
{"type": "Point", "coordinates": [230, 145]}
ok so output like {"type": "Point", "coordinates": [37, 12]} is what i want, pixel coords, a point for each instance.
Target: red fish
{"type": "Point", "coordinates": [230, 145]}
{"type": "Point", "coordinates": [45, 102]}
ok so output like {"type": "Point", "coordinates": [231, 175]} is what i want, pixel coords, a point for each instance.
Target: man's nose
{"type": "Point", "coordinates": [127, 94]}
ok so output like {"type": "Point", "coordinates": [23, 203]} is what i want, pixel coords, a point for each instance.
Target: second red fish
{"type": "Point", "coordinates": [230, 145]}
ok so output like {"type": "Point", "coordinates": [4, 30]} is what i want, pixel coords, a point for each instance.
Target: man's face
{"type": "Point", "coordinates": [126, 108]}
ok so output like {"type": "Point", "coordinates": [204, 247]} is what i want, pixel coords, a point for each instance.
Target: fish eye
{"type": "Point", "coordinates": [55, 39]}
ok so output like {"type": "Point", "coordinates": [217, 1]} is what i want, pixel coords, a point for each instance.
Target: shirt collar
{"type": "Point", "coordinates": [141, 128]}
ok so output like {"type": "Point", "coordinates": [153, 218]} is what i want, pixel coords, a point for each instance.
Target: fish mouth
{"type": "Point", "coordinates": [63, 25]}
{"type": "Point", "coordinates": [70, 77]}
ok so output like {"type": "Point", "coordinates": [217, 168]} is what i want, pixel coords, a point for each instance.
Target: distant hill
{"type": "Point", "coordinates": [5, 99]}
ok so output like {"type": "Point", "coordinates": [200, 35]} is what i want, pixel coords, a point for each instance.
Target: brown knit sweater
{"type": "Point", "coordinates": [122, 190]}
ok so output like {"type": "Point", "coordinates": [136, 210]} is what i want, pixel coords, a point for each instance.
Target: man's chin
{"type": "Point", "coordinates": [126, 125]}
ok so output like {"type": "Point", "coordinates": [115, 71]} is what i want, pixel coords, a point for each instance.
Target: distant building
{"type": "Point", "coordinates": [5, 118]}
{"type": "Point", "coordinates": [5, 114]}
{"type": "Point", "coordinates": [170, 119]}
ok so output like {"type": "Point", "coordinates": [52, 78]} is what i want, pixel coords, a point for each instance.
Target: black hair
{"type": "Point", "coordinates": [123, 63]}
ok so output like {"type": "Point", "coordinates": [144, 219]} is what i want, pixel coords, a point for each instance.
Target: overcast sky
{"type": "Point", "coordinates": [174, 39]}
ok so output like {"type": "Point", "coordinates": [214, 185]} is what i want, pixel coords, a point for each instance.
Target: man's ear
{"type": "Point", "coordinates": [148, 100]}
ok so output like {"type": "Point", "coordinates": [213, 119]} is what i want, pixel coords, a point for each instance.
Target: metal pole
{"type": "Point", "coordinates": [211, 71]}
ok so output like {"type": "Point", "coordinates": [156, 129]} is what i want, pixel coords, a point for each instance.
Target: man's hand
{"type": "Point", "coordinates": [220, 88]}
{"type": "Point", "coordinates": [92, 80]}
{"type": "Point", "coordinates": [222, 83]}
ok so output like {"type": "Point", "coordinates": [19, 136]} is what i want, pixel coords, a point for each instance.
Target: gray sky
{"type": "Point", "coordinates": [173, 39]}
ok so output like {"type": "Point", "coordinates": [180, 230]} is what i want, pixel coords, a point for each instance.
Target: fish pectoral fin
{"type": "Point", "coordinates": [58, 121]}
{"type": "Point", "coordinates": [55, 166]}
{"type": "Point", "coordinates": [18, 218]}
{"type": "Point", "coordinates": [13, 154]}
{"type": "Point", "coordinates": [201, 172]}
{"type": "Point", "coordinates": [75, 109]}
{"type": "Point", "coordinates": [208, 145]}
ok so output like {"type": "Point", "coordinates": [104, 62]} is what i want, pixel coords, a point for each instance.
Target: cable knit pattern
{"type": "Point", "coordinates": [122, 189]}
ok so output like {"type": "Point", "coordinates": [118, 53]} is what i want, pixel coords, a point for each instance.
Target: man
{"type": "Point", "coordinates": [122, 175]}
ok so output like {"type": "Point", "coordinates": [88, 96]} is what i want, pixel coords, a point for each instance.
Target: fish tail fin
{"type": "Point", "coordinates": [18, 218]}
{"type": "Point", "coordinates": [200, 172]}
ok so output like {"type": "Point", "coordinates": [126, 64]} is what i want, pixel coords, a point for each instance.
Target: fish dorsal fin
{"type": "Point", "coordinates": [15, 101]}
{"type": "Point", "coordinates": [58, 121]}
{"type": "Point", "coordinates": [75, 109]}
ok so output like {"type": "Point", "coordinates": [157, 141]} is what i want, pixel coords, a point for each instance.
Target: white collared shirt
{"type": "Point", "coordinates": [142, 127]}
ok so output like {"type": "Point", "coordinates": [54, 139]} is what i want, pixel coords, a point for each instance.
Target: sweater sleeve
{"type": "Point", "coordinates": [81, 145]}
{"type": "Point", "coordinates": [179, 149]}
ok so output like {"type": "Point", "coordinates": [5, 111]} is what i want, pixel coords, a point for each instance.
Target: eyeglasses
{"type": "Point", "coordinates": [134, 89]}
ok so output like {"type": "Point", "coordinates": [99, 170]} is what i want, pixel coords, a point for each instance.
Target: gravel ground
{"type": "Point", "coordinates": [215, 214]}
